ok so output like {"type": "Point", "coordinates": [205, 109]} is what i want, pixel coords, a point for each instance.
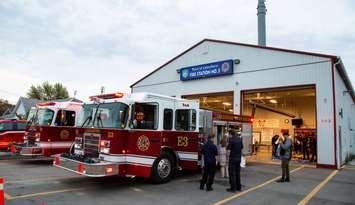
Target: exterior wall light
{"type": "Point", "coordinates": [346, 91]}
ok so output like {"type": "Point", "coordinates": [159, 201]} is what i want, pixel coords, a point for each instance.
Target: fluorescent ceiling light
{"type": "Point", "coordinates": [273, 101]}
{"type": "Point", "coordinates": [226, 103]}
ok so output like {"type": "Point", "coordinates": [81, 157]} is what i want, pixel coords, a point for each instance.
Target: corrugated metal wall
{"type": "Point", "coordinates": [344, 113]}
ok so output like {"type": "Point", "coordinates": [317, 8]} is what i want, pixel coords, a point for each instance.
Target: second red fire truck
{"type": "Point", "coordinates": [139, 134]}
{"type": "Point", "coordinates": [50, 129]}
{"type": "Point", "coordinates": [11, 131]}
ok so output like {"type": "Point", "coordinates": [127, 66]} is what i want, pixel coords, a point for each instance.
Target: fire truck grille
{"type": "Point", "coordinates": [31, 140]}
{"type": "Point", "coordinates": [91, 145]}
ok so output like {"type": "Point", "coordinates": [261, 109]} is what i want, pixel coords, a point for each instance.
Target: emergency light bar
{"type": "Point", "coordinates": [107, 96]}
{"type": "Point", "coordinates": [46, 104]}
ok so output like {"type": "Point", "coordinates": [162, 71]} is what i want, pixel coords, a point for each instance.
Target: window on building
{"type": "Point", "coordinates": [168, 119]}
{"type": "Point", "coordinates": [185, 119]}
{"type": "Point", "coordinates": [145, 116]}
{"type": "Point", "coordinates": [65, 118]}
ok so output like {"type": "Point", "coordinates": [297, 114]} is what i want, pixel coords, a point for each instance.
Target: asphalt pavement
{"type": "Point", "coordinates": [37, 182]}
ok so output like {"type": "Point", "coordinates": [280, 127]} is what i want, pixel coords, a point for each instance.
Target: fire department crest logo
{"type": "Point", "coordinates": [225, 67]}
{"type": "Point", "coordinates": [185, 73]}
{"type": "Point", "coordinates": [143, 143]}
{"type": "Point", "coordinates": [64, 134]}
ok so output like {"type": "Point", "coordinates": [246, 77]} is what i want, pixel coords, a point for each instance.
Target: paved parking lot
{"type": "Point", "coordinates": [38, 182]}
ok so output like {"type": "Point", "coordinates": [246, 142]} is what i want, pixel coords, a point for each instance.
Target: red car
{"type": "Point", "coordinates": [11, 131]}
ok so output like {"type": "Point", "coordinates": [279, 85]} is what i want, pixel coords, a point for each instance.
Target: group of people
{"type": "Point", "coordinates": [211, 154]}
{"type": "Point", "coordinates": [302, 145]}
{"type": "Point", "coordinates": [306, 145]}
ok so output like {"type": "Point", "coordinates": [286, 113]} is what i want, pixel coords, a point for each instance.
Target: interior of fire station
{"type": "Point", "coordinates": [274, 111]}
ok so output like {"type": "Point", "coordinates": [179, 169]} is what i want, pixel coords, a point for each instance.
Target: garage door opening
{"type": "Point", "coordinates": [278, 110]}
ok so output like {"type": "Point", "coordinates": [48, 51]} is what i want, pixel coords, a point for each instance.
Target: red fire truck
{"type": "Point", "coordinates": [50, 129]}
{"type": "Point", "coordinates": [11, 131]}
{"type": "Point", "coordinates": [139, 134]}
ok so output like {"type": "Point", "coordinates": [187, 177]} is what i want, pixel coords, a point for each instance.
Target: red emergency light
{"type": "Point", "coordinates": [107, 96]}
{"type": "Point", "coordinates": [46, 104]}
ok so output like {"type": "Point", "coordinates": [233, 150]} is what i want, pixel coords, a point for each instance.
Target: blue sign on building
{"type": "Point", "coordinates": [214, 69]}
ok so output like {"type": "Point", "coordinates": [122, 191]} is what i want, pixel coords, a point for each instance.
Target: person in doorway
{"type": "Point", "coordinates": [222, 153]}
{"type": "Point", "coordinates": [209, 154]}
{"type": "Point", "coordinates": [313, 149]}
{"type": "Point", "coordinates": [285, 151]}
{"type": "Point", "coordinates": [235, 146]}
{"type": "Point", "coordinates": [257, 144]}
{"type": "Point", "coordinates": [306, 146]}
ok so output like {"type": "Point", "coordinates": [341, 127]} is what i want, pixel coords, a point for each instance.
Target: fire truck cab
{"type": "Point", "coordinates": [11, 131]}
{"type": "Point", "coordinates": [138, 134]}
{"type": "Point", "coordinates": [50, 129]}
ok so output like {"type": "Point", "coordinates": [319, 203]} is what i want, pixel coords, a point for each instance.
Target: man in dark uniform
{"type": "Point", "coordinates": [235, 146]}
{"type": "Point", "coordinates": [209, 153]}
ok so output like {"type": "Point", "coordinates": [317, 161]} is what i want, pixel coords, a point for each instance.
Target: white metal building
{"type": "Point", "coordinates": [247, 71]}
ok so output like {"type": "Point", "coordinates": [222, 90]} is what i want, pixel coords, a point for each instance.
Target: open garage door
{"type": "Point", "coordinates": [291, 109]}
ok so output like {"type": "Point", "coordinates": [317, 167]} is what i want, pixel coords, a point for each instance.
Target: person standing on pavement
{"type": "Point", "coordinates": [209, 154]}
{"type": "Point", "coordinates": [235, 146]}
{"type": "Point", "coordinates": [222, 154]}
{"type": "Point", "coordinates": [285, 151]}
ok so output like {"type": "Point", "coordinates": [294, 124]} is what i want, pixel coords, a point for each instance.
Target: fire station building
{"type": "Point", "coordinates": [307, 94]}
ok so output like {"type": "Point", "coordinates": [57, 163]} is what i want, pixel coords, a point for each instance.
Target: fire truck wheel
{"type": "Point", "coordinates": [163, 168]}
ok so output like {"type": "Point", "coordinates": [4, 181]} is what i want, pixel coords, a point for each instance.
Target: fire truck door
{"type": "Point", "coordinates": [247, 138]}
{"type": "Point", "coordinates": [144, 143]}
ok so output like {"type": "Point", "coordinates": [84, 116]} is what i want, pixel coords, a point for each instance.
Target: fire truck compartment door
{"type": "Point", "coordinates": [247, 139]}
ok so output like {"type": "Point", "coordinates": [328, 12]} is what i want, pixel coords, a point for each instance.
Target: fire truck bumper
{"type": "Point", "coordinates": [100, 169]}
{"type": "Point", "coordinates": [24, 150]}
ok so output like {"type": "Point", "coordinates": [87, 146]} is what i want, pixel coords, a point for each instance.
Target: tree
{"type": "Point", "coordinates": [47, 92]}
{"type": "Point", "coordinates": [4, 106]}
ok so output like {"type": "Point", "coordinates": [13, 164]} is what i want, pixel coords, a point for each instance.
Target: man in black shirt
{"type": "Point", "coordinates": [235, 146]}
{"type": "Point", "coordinates": [209, 154]}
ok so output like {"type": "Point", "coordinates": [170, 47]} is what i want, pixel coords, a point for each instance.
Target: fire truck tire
{"type": "Point", "coordinates": [163, 168]}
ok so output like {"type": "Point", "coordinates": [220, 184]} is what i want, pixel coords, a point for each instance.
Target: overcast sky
{"type": "Point", "coordinates": [88, 44]}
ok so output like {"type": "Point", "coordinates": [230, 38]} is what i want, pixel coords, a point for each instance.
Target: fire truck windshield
{"type": "Point", "coordinates": [5, 126]}
{"type": "Point", "coordinates": [110, 115]}
{"type": "Point", "coordinates": [43, 116]}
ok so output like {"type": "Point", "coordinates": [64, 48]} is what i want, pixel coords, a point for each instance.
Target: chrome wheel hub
{"type": "Point", "coordinates": [164, 168]}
